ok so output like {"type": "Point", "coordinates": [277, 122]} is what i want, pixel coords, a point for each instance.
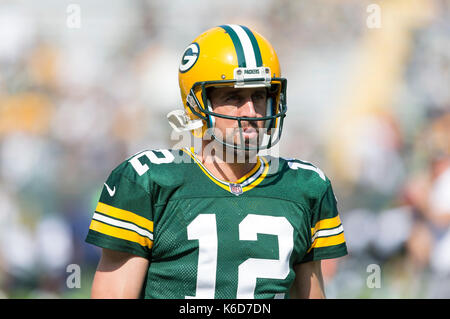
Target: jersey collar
{"type": "Point", "coordinates": [245, 183]}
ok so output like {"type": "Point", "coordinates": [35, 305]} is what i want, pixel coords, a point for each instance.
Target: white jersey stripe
{"type": "Point", "coordinates": [118, 223]}
{"type": "Point", "coordinates": [328, 232]}
{"type": "Point", "coordinates": [255, 176]}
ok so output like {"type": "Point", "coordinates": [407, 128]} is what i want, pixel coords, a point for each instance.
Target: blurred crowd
{"type": "Point", "coordinates": [369, 106]}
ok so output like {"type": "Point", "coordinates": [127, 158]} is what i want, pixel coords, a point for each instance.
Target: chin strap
{"type": "Point", "coordinates": [180, 122]}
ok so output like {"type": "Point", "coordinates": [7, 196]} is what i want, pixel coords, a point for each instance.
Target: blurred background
{"type": "Point", "coordinates": [84, 85]}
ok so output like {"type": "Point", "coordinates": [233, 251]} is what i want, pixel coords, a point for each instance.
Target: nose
{"type": "Point", "coordinates": [248, 108]}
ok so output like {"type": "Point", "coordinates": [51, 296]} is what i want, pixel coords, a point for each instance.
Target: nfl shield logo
{"type": "Point", "coordinates": [236, 189]}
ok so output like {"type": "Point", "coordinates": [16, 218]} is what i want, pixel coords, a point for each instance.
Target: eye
{"type": "Point", "coordinates": [232, 98]}
{"type": "Point", "coordinates": [258, 96]}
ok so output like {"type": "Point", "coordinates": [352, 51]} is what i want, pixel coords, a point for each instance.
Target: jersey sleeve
{"type": "Point", "coordinates": [123, 217]}
{"type": "Point", "coordinates": [327, 231]}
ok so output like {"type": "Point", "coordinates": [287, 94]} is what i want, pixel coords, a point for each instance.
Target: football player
{"type": "Point", "coordinates": [221, 222]}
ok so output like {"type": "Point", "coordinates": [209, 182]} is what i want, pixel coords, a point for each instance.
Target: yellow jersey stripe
{"type": "Point", "coordinates": [124, 215]}
{"type": "Point", "coordinates": [326, 223]}
{"type": "Point", "coordinates": [327, 241]}
{"type": "Point", "coordinates": [249, 174]}
{"type": "Point", "coordinates": [225, 187]}
{"type": "Point", "coordinates": [260, 178]}
{"type": "Point", "coordinates": [120, 233]}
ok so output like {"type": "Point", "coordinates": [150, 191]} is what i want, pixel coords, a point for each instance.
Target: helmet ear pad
{"type": "Point", "coordinates": [211, 119]}
{"type": "Point", "coordinates": [270, 110]}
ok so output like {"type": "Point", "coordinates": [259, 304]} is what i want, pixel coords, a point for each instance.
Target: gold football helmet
{"type": "Point", "coordinates": [235, 56]}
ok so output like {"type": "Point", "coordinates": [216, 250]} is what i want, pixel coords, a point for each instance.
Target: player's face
{"type": "Point", "coordinates": [245, 102]}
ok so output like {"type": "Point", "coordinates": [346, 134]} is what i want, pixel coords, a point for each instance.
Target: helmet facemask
{"type": "Point", "coordinates": [267, 136]}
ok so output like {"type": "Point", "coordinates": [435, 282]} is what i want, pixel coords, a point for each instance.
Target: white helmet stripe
{"type": "Point", "coordinates": [247, 46]}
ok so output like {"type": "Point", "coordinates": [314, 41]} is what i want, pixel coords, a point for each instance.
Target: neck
{"type": "Point", "coordinates": [226, 164]}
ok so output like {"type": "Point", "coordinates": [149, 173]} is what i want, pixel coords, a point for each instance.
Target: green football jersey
{"type": "Point", "coordinates": [208, 238]}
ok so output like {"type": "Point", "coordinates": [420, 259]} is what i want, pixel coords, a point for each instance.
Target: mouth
{"type": "Point", "coordinates": [249, 133]}
{"type": "Point", "coordinates": [250, 136]}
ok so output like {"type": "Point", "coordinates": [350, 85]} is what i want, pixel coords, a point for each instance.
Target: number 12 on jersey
{"type": "Point", "coordinates": [204, 229]}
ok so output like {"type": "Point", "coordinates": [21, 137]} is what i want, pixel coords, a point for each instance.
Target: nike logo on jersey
{"type": "Point", "coordinates": [110, 191]}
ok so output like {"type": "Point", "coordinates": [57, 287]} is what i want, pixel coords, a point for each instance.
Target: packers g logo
{"type": "Point", "coordinates": [190, 56]}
